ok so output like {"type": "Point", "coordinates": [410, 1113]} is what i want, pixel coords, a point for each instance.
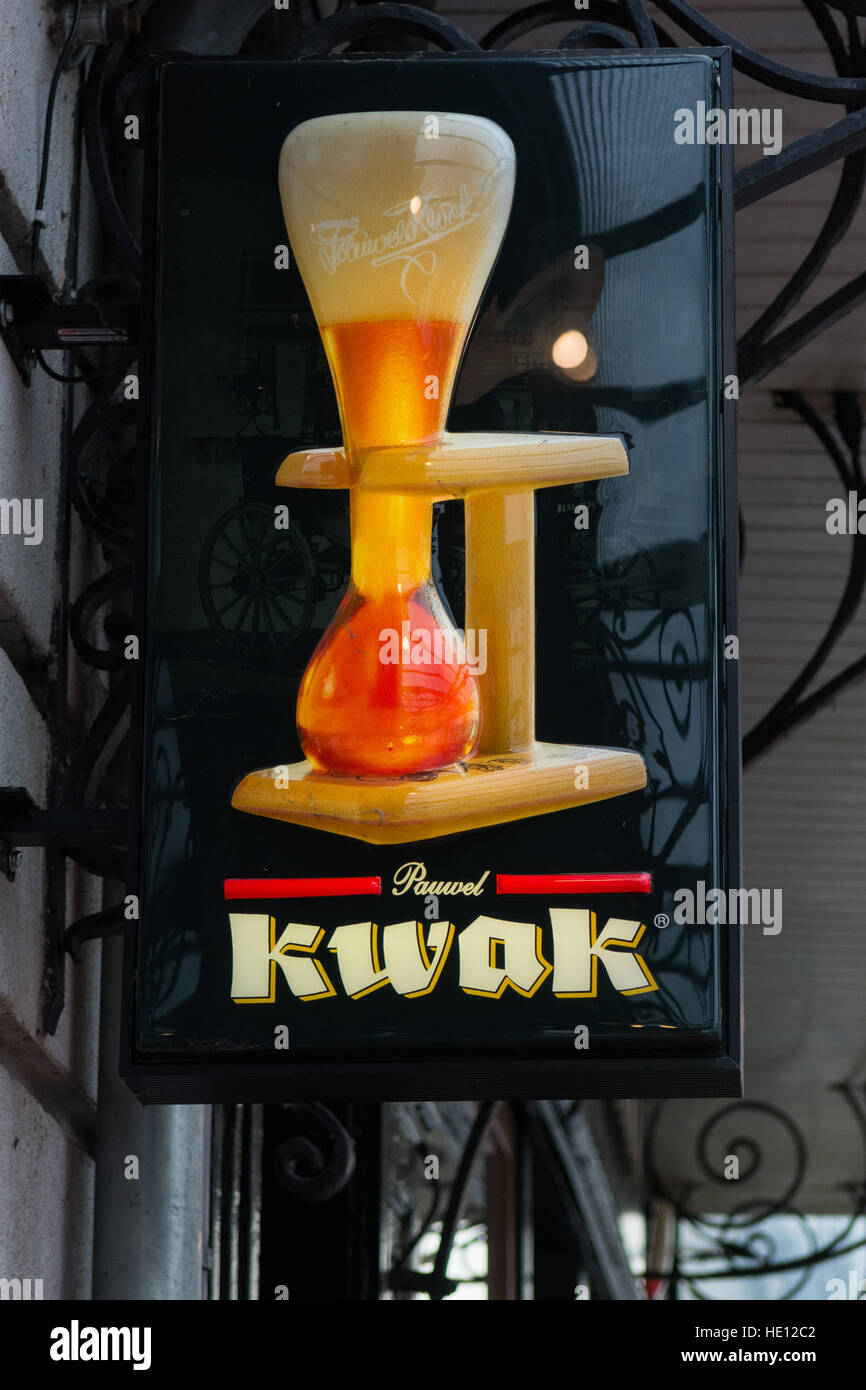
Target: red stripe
{"type": "Point", "coordinates": [300, 887]}
{"type": "Point", "coordinates": [574, 883]}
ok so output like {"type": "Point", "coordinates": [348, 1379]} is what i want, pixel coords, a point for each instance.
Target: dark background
{"type": "Point", "coordinates": [629, 611]}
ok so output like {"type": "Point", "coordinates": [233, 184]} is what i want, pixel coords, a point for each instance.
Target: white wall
{"type": "Point", "coordinates": [47, 1084]}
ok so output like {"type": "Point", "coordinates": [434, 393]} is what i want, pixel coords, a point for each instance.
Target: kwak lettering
{"type": "Point", "coordinates": [493, 954]}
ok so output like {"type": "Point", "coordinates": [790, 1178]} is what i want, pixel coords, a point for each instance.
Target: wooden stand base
{"type": "Point", "coordinates": [486, 790]}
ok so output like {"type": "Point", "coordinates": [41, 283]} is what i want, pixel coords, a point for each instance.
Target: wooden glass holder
{"type": "Point", "coordinates": [511, 776]}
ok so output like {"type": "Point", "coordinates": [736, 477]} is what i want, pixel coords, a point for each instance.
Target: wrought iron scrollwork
{"type": "Point", "coordinates": [381, 21]}
{"type": "Point", "coordinates": [625, 23]}
{"type": "Point", "coordinates": [811, 85]}
{"type": "Point", "coordinates": [742, 1243]}
{"type": "Point", "coordinates": [102, 593]}
{"type": "Point", "coordinates": [317, 1163]}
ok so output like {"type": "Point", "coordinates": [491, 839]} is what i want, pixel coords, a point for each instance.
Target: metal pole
{"type": "Point", "coordinates": [149, 1230]}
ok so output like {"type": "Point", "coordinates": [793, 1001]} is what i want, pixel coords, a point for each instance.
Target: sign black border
{"type": "Point", "coordinates": [191, 1080]}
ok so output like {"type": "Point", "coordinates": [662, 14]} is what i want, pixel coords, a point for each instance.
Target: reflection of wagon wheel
{"type": "Point", "coordinates": [256, 583]}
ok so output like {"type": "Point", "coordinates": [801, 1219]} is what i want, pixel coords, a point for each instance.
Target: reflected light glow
{"type": "Point", "coordinates": [570, 349]}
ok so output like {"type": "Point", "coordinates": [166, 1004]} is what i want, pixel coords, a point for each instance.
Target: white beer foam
{"type": "Point", "coordinates": [388, 223]}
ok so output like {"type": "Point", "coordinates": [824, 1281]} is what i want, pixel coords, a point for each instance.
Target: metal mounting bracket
{"type": "Point", "coordinates": [30, 318]}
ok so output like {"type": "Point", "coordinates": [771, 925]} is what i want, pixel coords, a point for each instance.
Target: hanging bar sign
{"type": "Point", "coordinates": [436, 581]}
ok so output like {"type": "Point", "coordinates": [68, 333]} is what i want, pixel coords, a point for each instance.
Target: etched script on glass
{"type": "Point", "coordinates": [422, 222]}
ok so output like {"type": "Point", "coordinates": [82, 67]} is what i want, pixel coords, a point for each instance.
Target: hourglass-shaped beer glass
{"type": "Point", "coordinates": [395, 219]}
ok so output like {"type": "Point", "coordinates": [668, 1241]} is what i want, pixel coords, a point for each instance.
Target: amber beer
{"type": "Point", "coordinates": [395, 218]}
{"type": "Point", "coordinates": [388, 377]}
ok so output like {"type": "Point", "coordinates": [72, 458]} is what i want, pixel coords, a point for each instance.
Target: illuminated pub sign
{"type": "Point", "coordinates": [437, 717]}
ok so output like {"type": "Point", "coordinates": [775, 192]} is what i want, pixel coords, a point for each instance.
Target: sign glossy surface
{"type": "Point", "coordinates": [504, 918]}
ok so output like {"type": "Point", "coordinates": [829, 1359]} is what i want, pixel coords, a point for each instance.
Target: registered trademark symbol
{"type": "Point", "coordinates": [662, 920]}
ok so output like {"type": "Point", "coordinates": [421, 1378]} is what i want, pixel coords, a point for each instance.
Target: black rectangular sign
{"type": "Point", "coordinates": [437, 718]}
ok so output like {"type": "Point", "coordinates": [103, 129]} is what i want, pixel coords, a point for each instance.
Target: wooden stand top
{"type": "Point", "coordinates": [462, 463]}
{"type": "Point", "coordinates": [483, 791]}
